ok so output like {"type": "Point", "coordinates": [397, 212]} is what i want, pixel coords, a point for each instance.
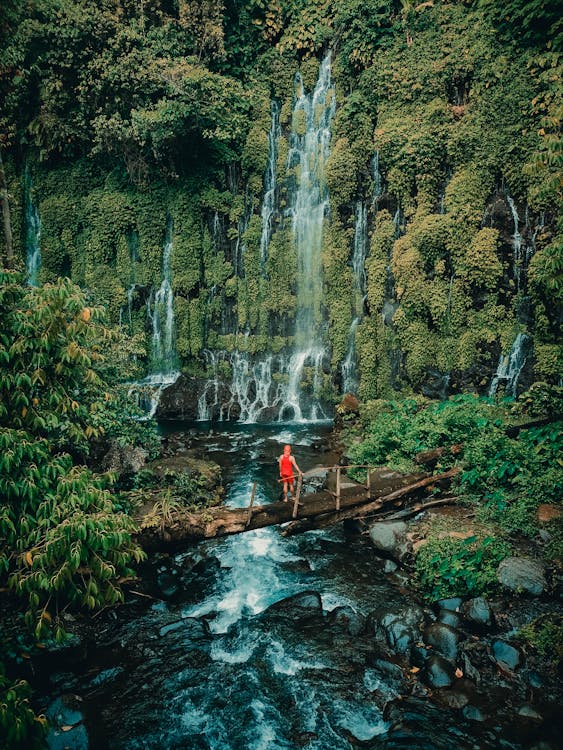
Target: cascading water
{"type": "Point", "coordinates": [271, 387]}
{"type": "Point", "coordinates": [309, 205]}
{"type": "Point", "coordinates": [523, 246]}
{"type": "Point", "coordinates": [32, 235]}
{"type": "Point", "coordinates": [270, 182]}
{"type": "Point", "coordinates": [348, 368]}
{"type": "Point", "coordinates": [511, 365]}
{"type": "Point", "coordinates": [160, 311]}
{"type": "Point", "coordinates": [377, 179]}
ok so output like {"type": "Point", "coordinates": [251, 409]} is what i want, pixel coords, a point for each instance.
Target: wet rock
{"type": "Point", "coordinates": [443, 638]}
{"type": "Point", "coordinates": [477, 611]}
{"type": "Point", "coordinates": [347, 618]}
{"type": "Point", "coordinates": [453, 604]}
{"type": "Point", "coordinates": [390, 566]}
{"type": "Point", "coordinates": [439, 672]}
{"type": "Point", "coordinates": [473, 713]}
{"type": "Point", "coordinates": [390, 538]}
{"type": "Point", "coordinates": [303, 606]}
{"type": "Point", "coordinates": [399, 627]}
{"type": "Point", "coordinates": [192, 628]}
{"type": "Point", "coordinates": [506, 655]}
{"type": "Point", "coordinates": [532, 678]}
{"type": "Point", "coordinates": [66, 727]}
{"type": "Point", "coordinates": [529, 712]}
{"type": "Point", "coordinates": [447, 617]}
{"type": "Point", "coordinates": [522, 574]}
{"type": "Point", "coordinates": [168, 583]}
{"type": "Point", "coordinates": [454, 699]}
{"type": "Point", "coordinates": [469, 670]}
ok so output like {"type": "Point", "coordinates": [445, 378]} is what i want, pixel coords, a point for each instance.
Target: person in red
{"type": "Point", "coordinates": [287, 462]}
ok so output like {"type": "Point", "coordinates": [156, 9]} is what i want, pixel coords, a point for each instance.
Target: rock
{"type": "Point", "coordinates": [303, 606]}
{"type": "Point", "coordinates": [532, 678]}
{"type": "Point", "coordinates": [346, 617]}
{"type": "Point", "coordinates": [453, 603]}
{"type": "Point", "coordinates": [529, 712]}
{"type": "Point", "coordinates": [473, 713]}
{"type": "Point", "coordinates": [390, 566]}
{"type": "Point", "coordinates": [399, 628]}
{"type": "Point", "coordinates": [192, 628]}
{"type": "Point", "coordinates": [66, 727]}
{"type": "Point", "coordinates": [391, 539]}
{"type": "Point", "coordinates": [454, 699]}
{"type": "Point", "coordinates": [477, 611]}
{"type": "Point", "coordinates": [447, 617]}
{"type": "Point", "coordinates": [435, 385]}
{"type": "Point", "coordinates": [443, 638]}
{"type": "Point", "coordinates": [439, 672]}
{"type": "Point", "coordinates": [522, 574]}
{"type": "Point", "coordinates": [505, 655]}
{"type": "Point", "coordinates": [547, 513]}
{"type": "Point", "coordinates": [124, 459]}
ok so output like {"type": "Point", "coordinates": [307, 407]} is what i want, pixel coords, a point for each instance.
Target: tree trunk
{"type": "Point", "coordinates": [318, 509]}
{"type": "Point", "coordinates": [9, 257]}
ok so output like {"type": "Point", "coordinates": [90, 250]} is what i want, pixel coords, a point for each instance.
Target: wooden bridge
{"type": "Point", "coordinates": [342, 498]}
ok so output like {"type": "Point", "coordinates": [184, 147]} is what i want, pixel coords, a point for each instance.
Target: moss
{"type": "Point", "coordinates": [482, 265]}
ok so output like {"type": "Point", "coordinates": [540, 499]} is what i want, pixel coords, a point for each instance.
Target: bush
{"type": "Point", "coordinates": [459, 567]}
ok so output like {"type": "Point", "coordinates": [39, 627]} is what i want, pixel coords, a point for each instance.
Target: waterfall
{"type": "Point", "coordinates": [270, 387]}
{"type": "Point", "coordinates": [377, 179]}
{"type": "Point", "coordinates": [32, 235]}
{"type": "Point", "coordinates": [308, 153]}
{"type": "Point", "coordinates": [523, 246]}
{"type": "Point", "coordinates": [270, 180]}
{"type": "Point", "coordinates": [510, 366]}
{"type": "Point", "coordinates": [348, 368]}
{"type": "Point", "coordinates": [162, 315]}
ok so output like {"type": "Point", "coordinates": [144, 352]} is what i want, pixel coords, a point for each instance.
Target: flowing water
{"type": "Point", "coordinates": [510, 366]}
{"type": "Point", "coordinates": [213, 662]}
{"type": "Point", "coordinates": [270, 183]}
{"type": "Point", "coordinates": [32, 235]}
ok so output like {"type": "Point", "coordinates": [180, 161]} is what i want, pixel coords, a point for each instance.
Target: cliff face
{"type": "Point", "coordinates": [379, 213]}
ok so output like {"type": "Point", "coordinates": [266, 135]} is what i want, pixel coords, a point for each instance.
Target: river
{"type": "Point", "coordinates": [204, 665]}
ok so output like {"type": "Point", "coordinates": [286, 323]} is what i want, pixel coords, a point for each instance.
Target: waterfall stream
{"type": "Point", "coordinates": [349, 365]}
{"type": "Point", "coordinates": [510, 366]}
{"type": "Point", "coordinates": [270, 183]}
{"type": "Point", "coordinates": [32, 234]}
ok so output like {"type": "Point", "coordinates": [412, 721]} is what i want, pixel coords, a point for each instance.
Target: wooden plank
{"type": "Point", "coordinates": [297, 494]}
{"type": "Point", "coordinates": [338, 488]}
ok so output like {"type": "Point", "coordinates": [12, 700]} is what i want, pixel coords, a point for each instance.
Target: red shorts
{"type": "Point", "coordinates": [290, 478]}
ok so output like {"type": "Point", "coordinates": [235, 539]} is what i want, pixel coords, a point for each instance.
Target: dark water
{"type": "Point", "coordinates": [206, 668]}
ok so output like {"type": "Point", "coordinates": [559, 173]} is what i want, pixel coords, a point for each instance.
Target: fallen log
{"type": "Point", "coordinates": [368, 507]}
{"type": "Point", "coordinates": [214, 522]}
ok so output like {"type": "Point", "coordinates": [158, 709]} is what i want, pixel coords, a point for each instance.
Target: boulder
{"type": "Point", "coordinates": [506, 655]}
{"type": "Point", "coordinates": [439, 672]}
{"type": "Point", "coordinates": [348, 619]}
{"type": "Point", "coordinates": [447, 617]}
{"type": "Point", "coordinates": [390, 538]}
{"type": "Point", "coordinates": [399, 627]}
{"type": "Point", "coordinates": [522, 574]}
{"type": "Point", "coordinates": [304, 606]}
{"type": "Point", "coordinates": [443, 638]}
{"type": "Point", "coordinates": [477, 611]}
{"type": "Point", "coordinates": [124, 459]}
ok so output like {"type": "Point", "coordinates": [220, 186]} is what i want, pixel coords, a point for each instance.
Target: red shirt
{"type": "Point", "coordinates": [286, 467]}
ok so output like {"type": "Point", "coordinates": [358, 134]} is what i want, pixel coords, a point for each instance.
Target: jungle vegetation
{"type": "Point", "coordinates": [120, 116]}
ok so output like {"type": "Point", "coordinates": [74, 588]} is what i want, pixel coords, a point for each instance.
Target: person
{"type": "Point", "coordinates": [287, 463]}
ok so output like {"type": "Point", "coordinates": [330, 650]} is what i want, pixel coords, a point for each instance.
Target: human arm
{"type": "Point", "coordinates": [294, 462]}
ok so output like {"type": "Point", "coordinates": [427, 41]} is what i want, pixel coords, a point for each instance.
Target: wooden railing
{"type": "Point", "coordinates": [336, 493]}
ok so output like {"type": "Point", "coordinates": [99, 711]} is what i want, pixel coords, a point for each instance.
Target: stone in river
{"type": "Point", "coordinates": [454, 603]}
{"type": "Point", "coordinates": [473, 713]}
{"type": "Point", "coordinates": [346, 617]}
{"type": "Point", "coordinates": [448, 617]}
{"type": "Point", "coordinates": [444, 638]}
{"type": "Point", "coordinates": [66, 727]}
{"type": "Point", "coordinates": [399, 627]}
{"type": "Point", "coordinates": [439, 672]}
{"type": "Point", "coordinates": [522, 574]}
{"type": "Point", "coordinates": [303, 606]}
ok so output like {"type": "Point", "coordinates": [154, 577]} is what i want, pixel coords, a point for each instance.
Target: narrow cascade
{"type": "Point", "coordinates": [32, 235]}
{"type": "Point", "coordinates": [164, 361]}
{"type": "Point", "coordinates": [522, 248]}
{"type": "Point", "coordinates": [377, 179]}
{"type": "Point", "coordinates": [510, 366]}
{"type": "Point", "coordinates": [270, 182]}
{"type": "Point", "coordinates": [349, 365]}
{"type": "Point", "coordinates": [309, 205]}
{"type": "Point", "coordinates": [160, 311]}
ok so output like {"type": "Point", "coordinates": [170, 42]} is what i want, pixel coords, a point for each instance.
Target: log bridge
{"type": "Point", "coordinates": [343, 498]}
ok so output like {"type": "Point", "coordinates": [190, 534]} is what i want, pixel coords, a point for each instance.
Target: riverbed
{"type": "Point", "coordinates": [255, 641]}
